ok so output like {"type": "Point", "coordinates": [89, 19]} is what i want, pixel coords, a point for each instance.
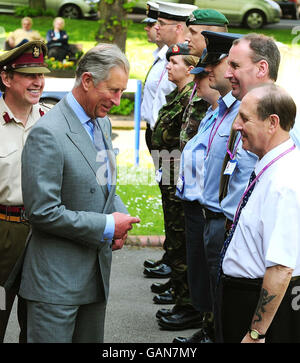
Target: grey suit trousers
{"type": "Point", "coordinates": [54, 323]}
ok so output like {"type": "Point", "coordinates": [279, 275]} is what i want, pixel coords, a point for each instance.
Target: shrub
{"type": "Point", "coordinates": [23, 11]}
{"type": "Point", "coordinates": [125, 108]}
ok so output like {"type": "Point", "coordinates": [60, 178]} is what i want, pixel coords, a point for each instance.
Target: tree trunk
{"type": "Point", "coordinates": [113, 22]}
{"type": "Point", "coordinates": [37, 4]}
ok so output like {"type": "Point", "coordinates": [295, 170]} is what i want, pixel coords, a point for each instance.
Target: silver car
{"type": "Point", "coordinates": [73, 9]}
{"type": "Point", "coordinates": [252, 14]}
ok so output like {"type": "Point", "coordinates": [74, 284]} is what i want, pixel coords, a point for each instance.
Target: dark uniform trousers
{"type": "Point", "coordinates": [12, 243]}
{"type": "Point", "coordinates": [239, 299]}
{"type": "Point", "coordinates": [197, 266]}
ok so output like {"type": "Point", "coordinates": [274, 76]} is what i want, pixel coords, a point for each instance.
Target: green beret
{"type": "Point", "coordinates": [207, 17]}
{"type": "Point", "coordinates": [177, 49]}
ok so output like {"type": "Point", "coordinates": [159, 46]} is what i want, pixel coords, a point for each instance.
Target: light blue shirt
{"type": "Point", "coordinates": [295, 132]}
{"type": "Point", "coordinates": [84, 118]}
{"type": "Point", "coordinates": [239, 179]}
{"type": "Point", "coordinates": [215, 155]}
{"type": "Point", "coordinates": [191, 169]}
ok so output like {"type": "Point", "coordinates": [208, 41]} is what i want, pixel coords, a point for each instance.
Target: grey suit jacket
{"type": "Point", "coordinates": [65, 262]}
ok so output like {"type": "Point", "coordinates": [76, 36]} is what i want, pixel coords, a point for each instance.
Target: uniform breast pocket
{"type": "Point", "coordinates": [10, 160]}
{"type": "Point", "coordinates": [7, 150]}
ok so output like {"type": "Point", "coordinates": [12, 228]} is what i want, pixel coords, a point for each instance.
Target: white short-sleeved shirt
{"type": "Point", "coordinates": [156, 88]}
{"type": "Point", "coordinates": [268, 231]}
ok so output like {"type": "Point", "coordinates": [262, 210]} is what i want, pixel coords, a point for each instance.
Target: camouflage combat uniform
{"type": "Point", "coordinates": [192, 117]}
{"type": "Point", "coordinates": [166, 139]}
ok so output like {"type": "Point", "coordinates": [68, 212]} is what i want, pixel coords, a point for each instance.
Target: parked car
{"type": "Point", "coordinates": [290, 8]}
{"type": "Point", "coordinates": [252, 14]}
{"type": "Point", "coordinates": [73, 9]}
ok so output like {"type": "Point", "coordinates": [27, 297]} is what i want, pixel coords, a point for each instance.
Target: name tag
{"type": "Point", "coordinates": [231, 165]}
{"type": "Point", "coordinates": [158, 175]}
{"type": "Point", "coordinates": [180, 183]}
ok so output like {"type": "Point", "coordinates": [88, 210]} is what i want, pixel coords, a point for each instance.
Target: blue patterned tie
{"type": "Point", "coordinates": [233, 227]}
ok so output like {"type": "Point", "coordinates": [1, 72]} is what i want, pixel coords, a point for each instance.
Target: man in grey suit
{"type": "Point", "coordinates": [68, 185]}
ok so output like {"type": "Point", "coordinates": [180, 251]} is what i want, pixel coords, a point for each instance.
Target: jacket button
{"type": "Point", "coordinates": [92, 190]}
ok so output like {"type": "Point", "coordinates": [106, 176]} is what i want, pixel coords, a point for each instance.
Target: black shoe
{"type": "Point", "coordinates": [186, 319]}
{"type": "Point", "coordinates": [167, 297]}
{"type": "Point", "coordinates": [162, 271]}
{"type": "Point", "coordinates": [201, 336]}
{"type": "Point", "coordinates": [159, 288]}
{"type": "Point", "coordinates": [152, 263]}
{"type": "Point", "coordinates": [167, 312]}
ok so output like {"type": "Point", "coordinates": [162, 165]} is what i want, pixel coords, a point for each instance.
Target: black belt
{"type": "Point", "coordinates": [242, 281]}
{"type": "Point", "coordinates": [209, 214]}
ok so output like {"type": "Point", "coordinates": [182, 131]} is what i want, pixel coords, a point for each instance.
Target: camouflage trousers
{"type": "Point", "coordinates": [175, 242]}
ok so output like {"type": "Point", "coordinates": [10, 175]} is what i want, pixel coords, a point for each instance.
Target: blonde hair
{"type": "Point", "coordinates": [27, 19]}
{"type": "Point", "coordinates": [61, 19]}
{"type": "Point", "coordinates": [190, 60]}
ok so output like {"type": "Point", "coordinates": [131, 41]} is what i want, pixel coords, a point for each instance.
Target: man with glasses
{"type": "Point", "coordinates": [151, 92]}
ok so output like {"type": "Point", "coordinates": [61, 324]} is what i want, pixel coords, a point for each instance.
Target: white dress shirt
{"type": "Point", "coordinates": [268, 230]}
{"type": "Point", "coordinates": [157, 86]}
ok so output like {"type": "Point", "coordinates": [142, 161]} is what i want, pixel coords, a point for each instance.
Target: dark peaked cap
{"type": "Point", "coordinates": [217, 44]}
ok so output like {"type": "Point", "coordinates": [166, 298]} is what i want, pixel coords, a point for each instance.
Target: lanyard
{"type": "Point", "coordinates": [231, 155]}
{"type": "Point", "coordinates": [211, 136]}
{"type": "Point", "coordinates": [259, 175]}
{"type": "Point", "coordinates": [161, 76]}
{"type": "Point", "coordinates": [208, 123]}
{"type": "Point", "coordinates": [192, 94]}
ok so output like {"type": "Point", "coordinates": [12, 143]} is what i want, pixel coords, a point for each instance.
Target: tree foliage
{"type": "Point", "coordinates": [113, 22]}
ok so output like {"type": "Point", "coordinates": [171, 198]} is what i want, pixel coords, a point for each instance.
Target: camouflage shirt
{"type": "Point", "coordinates": [166, 132]}
{"type": "Point", "coordinates": [192, 117]}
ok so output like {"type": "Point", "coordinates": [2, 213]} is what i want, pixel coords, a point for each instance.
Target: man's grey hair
{"type": "Point", "coordinates": [263, 48]}
{"type": "Point", "coordinates": [99, 61]}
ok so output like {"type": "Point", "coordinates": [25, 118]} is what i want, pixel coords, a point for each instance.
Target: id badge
{"type": "Point", "coordinates": [158, 175]}
{"type": "Point", "coordinates": [180, 183]}
{"type": "Point", "coordinates": [231, 165]}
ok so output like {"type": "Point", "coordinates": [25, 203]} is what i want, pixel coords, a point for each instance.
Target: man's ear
{"type": "Point", "coordinates": [263, 69]}
{"type": "Point", "coordinates": [274, 122]}
{"type": "Point", "coordinates": [6, 79]}
{"type": "Point", "coordinates": [87, 81]}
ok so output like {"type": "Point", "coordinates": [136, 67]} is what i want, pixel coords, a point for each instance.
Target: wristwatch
{"type": "Point", "coordinates": [255, 335]}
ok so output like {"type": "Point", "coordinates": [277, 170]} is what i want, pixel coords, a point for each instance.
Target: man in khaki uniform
{"type": "Point", "coordinates": [21, 83]}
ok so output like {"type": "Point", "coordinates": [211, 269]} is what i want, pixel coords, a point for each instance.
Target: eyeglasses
{"type": "Point", "coordinates": [161, 23]}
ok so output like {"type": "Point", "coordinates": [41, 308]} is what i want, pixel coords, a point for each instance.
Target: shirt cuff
{"type": "Point", "coordinates": [109, 230]}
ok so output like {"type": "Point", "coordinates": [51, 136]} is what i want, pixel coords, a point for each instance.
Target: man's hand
{"type": "Point", "coordinates": [119, 243]}
{"type": "Point", "coordinates": [123, 223]}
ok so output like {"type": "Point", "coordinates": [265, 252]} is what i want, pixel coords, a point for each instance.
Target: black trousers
{"type": "Point", "coordinates": [197, 267]}
{"type": "Point", "coordinates": [239, 301]}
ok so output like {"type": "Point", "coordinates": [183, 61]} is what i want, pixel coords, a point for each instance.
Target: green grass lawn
{"type": "Point", "coordinates": [140, 193]}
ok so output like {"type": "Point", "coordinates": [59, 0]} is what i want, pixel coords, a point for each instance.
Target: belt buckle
{"type": "Point", "coordinates": [23, 217]}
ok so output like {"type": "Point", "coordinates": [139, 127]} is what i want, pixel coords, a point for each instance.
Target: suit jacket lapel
{"type": "Point", "coordinates": [81, 139]}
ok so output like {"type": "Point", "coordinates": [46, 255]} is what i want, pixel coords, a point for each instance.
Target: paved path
{"type": "Point", "coordinates": [131, 312]}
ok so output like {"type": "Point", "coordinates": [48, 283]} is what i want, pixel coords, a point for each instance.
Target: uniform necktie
{"type": "Point", "coordinates": [233, 227]}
